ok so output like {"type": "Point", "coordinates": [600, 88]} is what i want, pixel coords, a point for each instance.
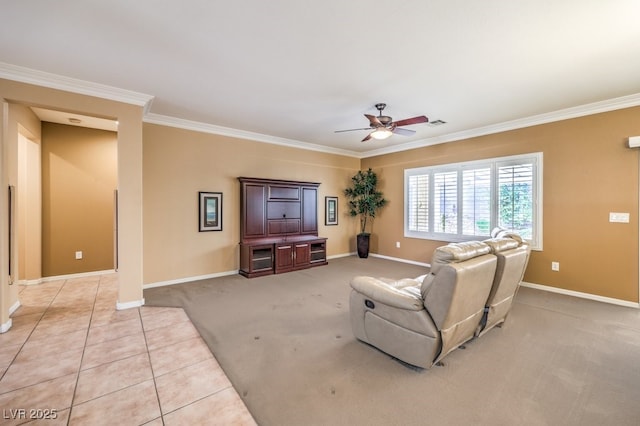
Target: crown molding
{"type": "Point", "coordinates": [550, 117]}
{"type": "Point", "coordinates": [68, 84]}
{"type": "Point", "coordinates": [196, 126]}
{"type": "Point", "coordinates": [54, 81]}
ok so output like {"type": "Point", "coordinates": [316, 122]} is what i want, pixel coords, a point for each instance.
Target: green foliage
{"type": "Point", "coordinates": [516, 208]}
{"type": "Point", "coordinates": [483, 226]}
{"type": "Point", "coordinates": [363, 197]}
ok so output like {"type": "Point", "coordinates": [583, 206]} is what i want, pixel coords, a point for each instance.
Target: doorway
{"type": "Point", "coordinates": [79, 175]}
{"type": "Point", "coordinates": [65, 206]}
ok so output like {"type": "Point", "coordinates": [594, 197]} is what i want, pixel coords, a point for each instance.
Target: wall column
{"type": "Point", "coordinates": [130, 268]}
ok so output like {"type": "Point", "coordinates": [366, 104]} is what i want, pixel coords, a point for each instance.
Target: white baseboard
{"type": "Point", "coordinates": [189, 279]}
{"type": "Point", "coordinates": [14, 307]}
{"type": "Point", "coordinates": [5, 327]}
{"type": "Point", "coordinates": [30, 282]}
{"type": "Point", "coordinates": [120, 306]}
{"type": "Point", "coordinates": [78, 275]}
{"type": "Point", "coordinates": [337, 256]}
{"type": "Point", "coordinates": [397, 259]}
{"type": "Point", "coordinates": [581, 295]}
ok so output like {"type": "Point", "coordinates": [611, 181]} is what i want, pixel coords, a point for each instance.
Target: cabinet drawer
{"type": "Point", "coordinates": [284, 192]}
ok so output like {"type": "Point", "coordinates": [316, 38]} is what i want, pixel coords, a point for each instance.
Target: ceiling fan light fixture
{"type": "Point", "coordinates": [381, 133]}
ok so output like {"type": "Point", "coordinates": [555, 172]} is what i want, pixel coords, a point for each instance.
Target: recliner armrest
{"type": "Point", "coordinates": [403, 296]}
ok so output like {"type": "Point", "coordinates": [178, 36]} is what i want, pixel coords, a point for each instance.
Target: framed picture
{"type": "Point", "coordinates": [210, 211]}
{"type": "Point", "coordinates": [330, 210]}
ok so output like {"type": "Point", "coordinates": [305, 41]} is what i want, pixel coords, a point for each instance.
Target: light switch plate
{"type": "Point", "coordinates": [619, 217]}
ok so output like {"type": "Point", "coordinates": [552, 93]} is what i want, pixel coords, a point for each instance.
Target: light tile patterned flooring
{"type": "Point", "coordinates": [69, 352]}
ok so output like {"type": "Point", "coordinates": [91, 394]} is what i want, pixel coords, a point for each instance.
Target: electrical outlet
{"type": "Point", "coordinates": [78, 255]}
{"type": "Point", "coordinates": [619, 217]}
{"type": "Point", "coordinates": [397, 244]}
{"type": "Point", "coordinates": [555, 266]}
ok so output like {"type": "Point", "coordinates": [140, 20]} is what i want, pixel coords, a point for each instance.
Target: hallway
{"type": "Point", "coordinates": [72, 358]}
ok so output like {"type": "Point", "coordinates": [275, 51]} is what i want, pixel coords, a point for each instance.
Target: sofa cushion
{"type": "Point", "coordinates": [501, 244]}
{"type": "Point", "coordinates": [457, 252]}
{"type": "Point", "coordinates": [504, 233]}
{"type": "Point", "coordinates": [403, 294]}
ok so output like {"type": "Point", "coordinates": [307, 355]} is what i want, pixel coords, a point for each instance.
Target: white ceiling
{"type": "Point", "coordinates": [296, 71]}
{"type": "Point", "coordinates": [73, 119]}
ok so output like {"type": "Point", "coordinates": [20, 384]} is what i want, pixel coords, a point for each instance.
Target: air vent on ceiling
{"type": "Point", "coordinates": [437, 123]}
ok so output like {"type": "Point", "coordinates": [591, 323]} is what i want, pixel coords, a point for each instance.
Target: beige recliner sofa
{"type": "Point", "coordinates": [419, 321]}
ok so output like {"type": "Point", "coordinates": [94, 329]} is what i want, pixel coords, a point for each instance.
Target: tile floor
{"type": "Point", "coordinates": [72, 356]}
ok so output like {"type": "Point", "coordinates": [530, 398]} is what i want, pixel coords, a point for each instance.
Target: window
{"type": "Point", "coordinates": [465, 201]}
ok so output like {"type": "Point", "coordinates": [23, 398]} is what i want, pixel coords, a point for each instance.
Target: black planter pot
{"type": "Point", "coordinates": [363, 245]}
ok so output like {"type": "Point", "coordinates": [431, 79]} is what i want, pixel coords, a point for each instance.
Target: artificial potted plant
{"type": "Point", "coordinates": [364, 200]}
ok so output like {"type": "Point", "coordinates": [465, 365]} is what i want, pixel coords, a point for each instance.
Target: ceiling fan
{"type": "Point", "coordinates": [383, 126]}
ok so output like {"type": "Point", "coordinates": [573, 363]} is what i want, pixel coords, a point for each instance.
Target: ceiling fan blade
{"type": "Point", "coordinates": [414, 120]}
{"type": "Point", "coordinates": [404, 132]}
{"type": "Point", "coordinates": [366, 138]}
{"type": "Point", "coordinates": [374, 120]}
{"type": "Point", "coordinates": [351, 130]}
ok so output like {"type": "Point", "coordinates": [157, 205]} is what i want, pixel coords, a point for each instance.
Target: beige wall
{"type": "Point", "coordinates": [178, 163]}
{"type": "Point", "coordinates": [29, 208]}
{"type": "Point", "coordinates": [26, 134]}
{"type": "Point", "coordinates": [79, 176]}
{"type": "Point", "coordinates": [588, 172]}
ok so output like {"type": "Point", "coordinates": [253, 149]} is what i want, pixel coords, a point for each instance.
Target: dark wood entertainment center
{"type": "Point", "coordinates": [279, 227]}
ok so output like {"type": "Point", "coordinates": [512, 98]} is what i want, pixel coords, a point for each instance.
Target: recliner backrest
{"type": "Point", "coordinates": [456, 289]}
{"type": "Point", "coordinates": [513, 256]}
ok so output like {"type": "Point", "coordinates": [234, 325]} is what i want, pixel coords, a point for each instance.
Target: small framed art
{"type": "Point", "coordinates": [330, 210]}
{"type": "Point", "coordinates": [210, 207]}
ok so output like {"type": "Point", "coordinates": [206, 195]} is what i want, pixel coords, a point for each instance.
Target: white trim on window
{"type": "Point", "coordinates": [460, 201]}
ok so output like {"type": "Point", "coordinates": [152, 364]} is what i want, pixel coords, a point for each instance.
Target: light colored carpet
{"type": "Point", "coordinates": [286, 344]}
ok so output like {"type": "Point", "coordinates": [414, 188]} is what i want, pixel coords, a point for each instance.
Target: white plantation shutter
{"type": "Point", "coordinates": [464, 201]}
{"type": "Point", "coordinates": [418, 203]}
{"type": "Point", "coordinates": [445, 202]}
{"type": "Point", "coordinates": [476, 201]}
{"type": "Point", "coordinates": [515, 203]}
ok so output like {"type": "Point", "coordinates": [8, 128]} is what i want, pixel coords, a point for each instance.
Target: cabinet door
{"type": "Point", "coordinates": [318, 252]}
{"type": "Point", "coordinates": [284, 257]}
{"type": "Point", "coordinates": [254, 213]}
{"type": "Point", "coordinates": [256, 260]}
{"type": "Point", "coordinates": [309, 211]}
{"type": "Point", "coordinates": [261, 258]}
{"type": "Point", "coordinates": [301, 255]}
